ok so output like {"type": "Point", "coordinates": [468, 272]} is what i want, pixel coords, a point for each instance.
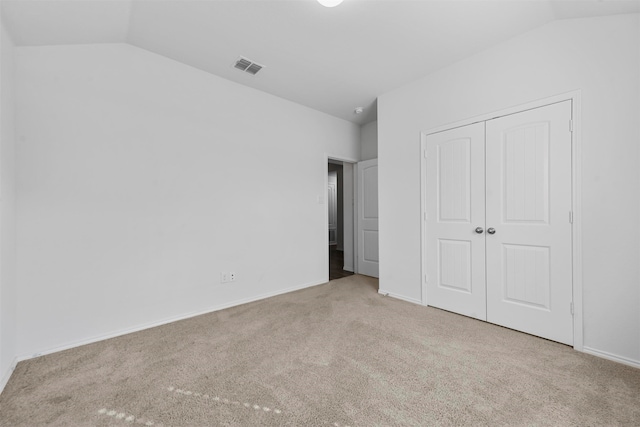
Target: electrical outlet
{"type": "Point", "coordinates": [224, 277]}
{"type": "Point", "coordinates": [232, 277]}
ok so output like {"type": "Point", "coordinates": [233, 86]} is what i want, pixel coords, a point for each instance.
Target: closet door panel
{"type": "Point", "coordinates": [528, 202]}
{"type": "Point", "coordinates": [455, 208]}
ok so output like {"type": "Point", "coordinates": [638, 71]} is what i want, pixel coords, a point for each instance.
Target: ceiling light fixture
{"type": "Point", "coordinates": [329, 3]}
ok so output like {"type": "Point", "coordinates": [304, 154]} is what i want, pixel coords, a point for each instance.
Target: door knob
{"type": "Point", "coordinates": [491, 230]}
{"type": "Point", "coordinates": [479, 230]}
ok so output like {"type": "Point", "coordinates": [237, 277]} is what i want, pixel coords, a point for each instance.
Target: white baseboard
{"type": "Point", "coordinates": [6, 375]}
{"type": "Point", "coordinates": [403, 298]}
{"type": "Point", "coordinates": [163, 322]}
{"type": "Point", "coordinates": [609, 356]}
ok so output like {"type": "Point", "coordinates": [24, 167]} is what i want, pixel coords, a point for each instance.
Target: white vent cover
{"type": "Point", "coordinates": [247, 66]}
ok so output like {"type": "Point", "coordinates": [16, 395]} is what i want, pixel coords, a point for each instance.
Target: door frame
{"type": "Point", "coordinates": [576, 196]}
{"type": "Point", "coordinates": [328, 157]}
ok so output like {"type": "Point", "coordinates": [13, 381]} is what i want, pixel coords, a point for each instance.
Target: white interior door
{"type": "Point", "coordinates": [455, 208]}
{"type": "Point", "coordinates": [498, 221]}
{"type": "Point", "coordinates": [528, 200]}
{"type": "Point", "coordinates": [367, 181]}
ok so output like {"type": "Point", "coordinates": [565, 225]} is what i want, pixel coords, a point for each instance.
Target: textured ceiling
{"type": "Point", "coordinates": [329, 59]}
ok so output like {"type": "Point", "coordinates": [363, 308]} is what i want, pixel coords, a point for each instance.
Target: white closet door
{"type": "Point", "coordinates": [455, 208]}
{"type": "Point", "coordinates": [368, 259]}
{"type": "Point", "coordinates": [528, 200]}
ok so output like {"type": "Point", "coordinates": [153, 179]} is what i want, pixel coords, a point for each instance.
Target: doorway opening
{"type": "Point", "coordinates": [340, 215]}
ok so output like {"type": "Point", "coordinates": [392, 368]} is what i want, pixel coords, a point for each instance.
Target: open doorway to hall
{"type": "Point", "coordinates": [340, 205]}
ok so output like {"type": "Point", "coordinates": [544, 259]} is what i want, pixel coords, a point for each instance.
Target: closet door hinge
{"type": "Point", "coordinates": [571, 217]}
{"type": "Point", "coordinates": [571, 307]}
{"type": "Point", "coordinates": [426, 278]}
{"type": "Point", "coordinates": [570, 125]}
{"type": "Point", "coordinates": [426, 156]}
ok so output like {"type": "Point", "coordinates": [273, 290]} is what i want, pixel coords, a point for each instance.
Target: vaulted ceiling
{"type": "Point", "coordinates": [329, 59]}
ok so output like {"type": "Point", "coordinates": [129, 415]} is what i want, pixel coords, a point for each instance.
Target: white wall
{"type": "Point", "coordinates": [141, 179]}
{"type": "Point", "coordinates": [369, 141]}
{"type": "Point", "coordinates": [599, 56]}
{"type": "Point", "coordinates": [8, 289]}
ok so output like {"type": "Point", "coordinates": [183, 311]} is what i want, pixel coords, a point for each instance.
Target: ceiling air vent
{"type": "Point", "coordinates": [247, 66]}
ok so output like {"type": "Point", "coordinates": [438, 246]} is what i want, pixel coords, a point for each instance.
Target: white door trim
{"type": "Point", "coordinates": [576, 196]}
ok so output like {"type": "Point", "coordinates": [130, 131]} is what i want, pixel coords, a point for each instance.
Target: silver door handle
{"type": "Point", "coordinates": [491, 230]}
{"type": "Point", "coordinates": [479, 230]}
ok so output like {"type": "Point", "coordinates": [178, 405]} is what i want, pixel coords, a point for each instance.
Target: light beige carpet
{"type": "Point", "coordinates": [337, 354]}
